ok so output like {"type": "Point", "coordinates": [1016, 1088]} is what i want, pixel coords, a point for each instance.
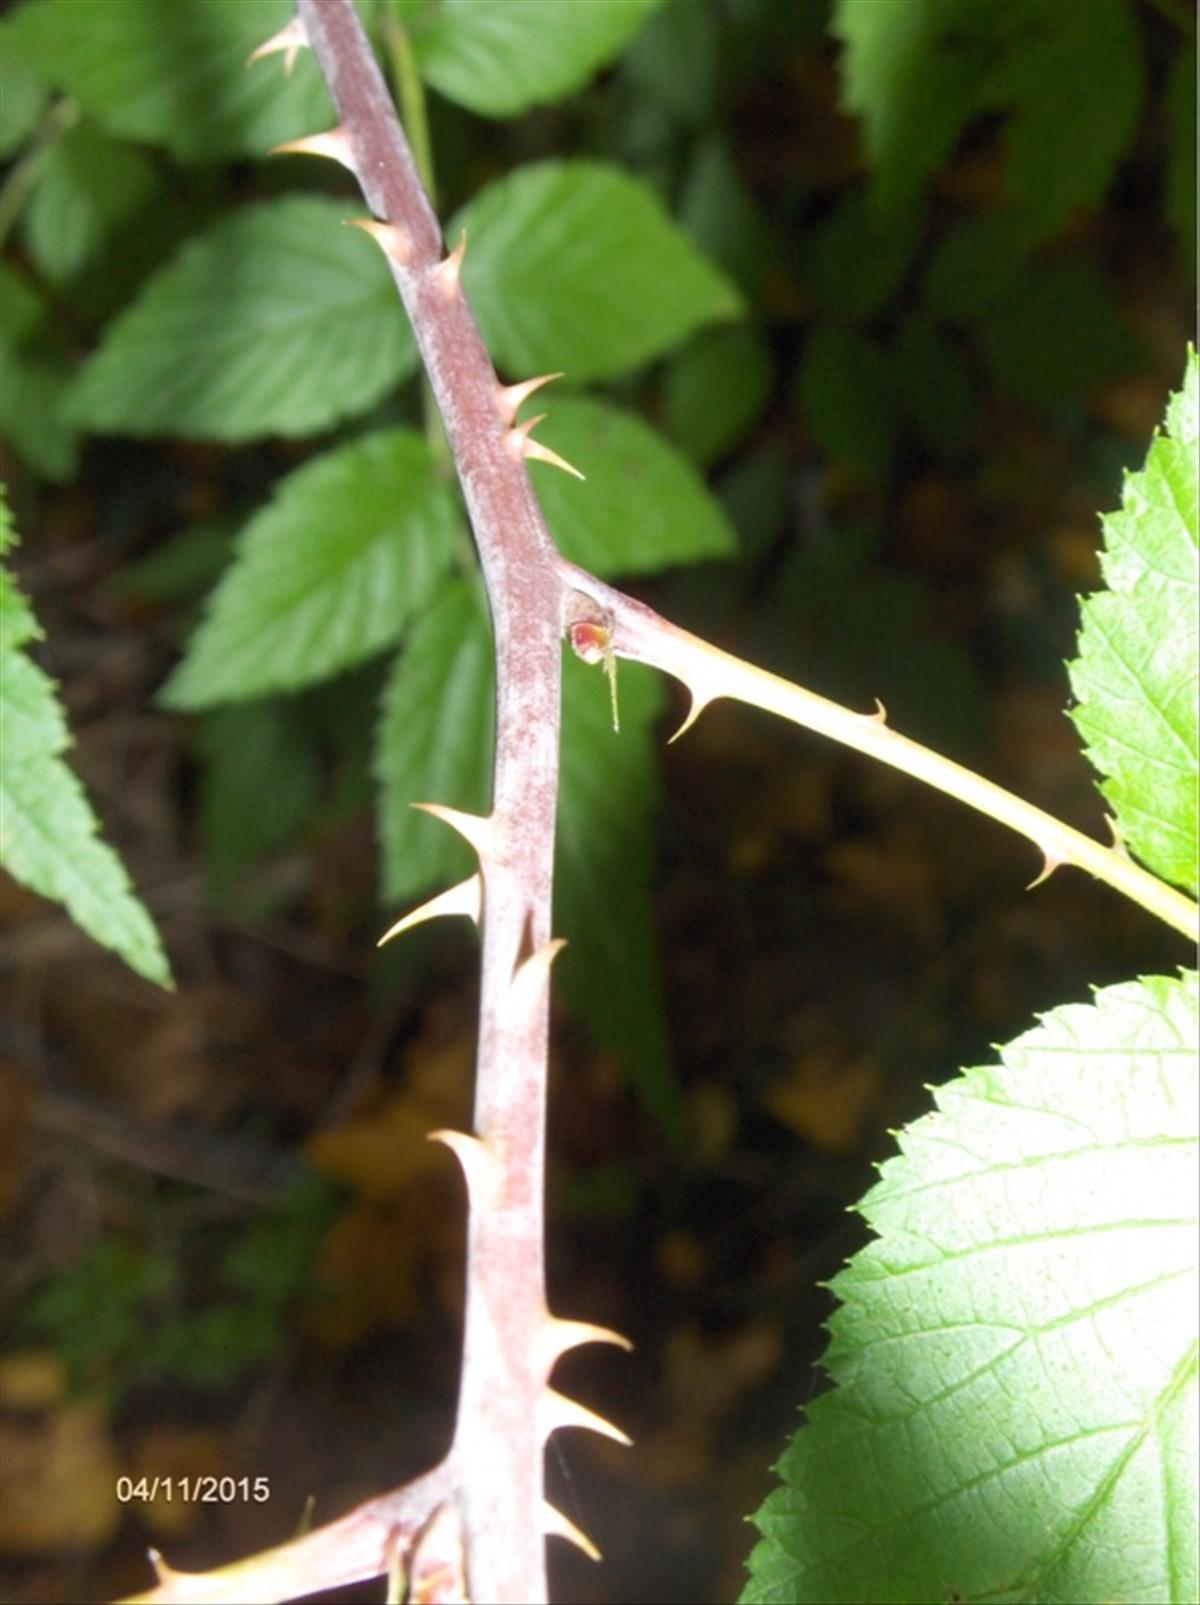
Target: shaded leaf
{"type": "Point", "coordinates": [1135, 676]}
{"type": "Point", "coordinates": [845, 389]}
{"type": "Point", "coordinates": [643, 506]}
{"type": "Point", "coordinates": [858, 260]}
{"type": "Point", "coordinates": [499, 57]}
{"type": "Point", "coordinates": [674, 61]}
{"type": "Point", "coordinates": [351, 546]}
{"type": "Point", "coordinates": [48, 835]}
{"type": "Point", "coordinates": [89, 187]}
{"type": "Point", "coordinates": [575, 266]}
{"type": "Point", "coordinates": [434, 742]}
{"type": "Point", "coordinates": [720, 214]}
{"type": "Point", "coordinates": [603, 906]}
{"type": "Point", "coordinates": [274, 321]}
{"type": "Point", "coordinates": [34, 381]}
{"type": "Point", "coordinates": [22, 92]}
{"type": "Point", "coordinates": [175, 74]}
{"type": "Point", "coordinates": [715, 389]}
{"type": "Point", "coordinates": [1014, 1357]}
{"type": "Point", "coordinates": [934, 387]}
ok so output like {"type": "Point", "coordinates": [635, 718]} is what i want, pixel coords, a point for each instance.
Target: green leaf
{"type": "Point", "coordinates": [846, 392]}
{"type": "Point", "coordinates": [643, 506]}
{"type": "Point", "coordinates": [275, 321]}
{"type": "Point", "coordinates": [1014, 1358]}
{"type": "Point", "coordinates": [176, 74]}
{"type": "Point", "coordinates": [1135, 676]}
{"type": "Point", "coordinates": [934, 385]}
{"type": "Point", "coordinates": [34, 381]}
{"type": "Point", "coordinates": [719, 212]}
{"type": "Point", "coordinates": [352, 545]}
{"type": "Point", "coordinates": [976, 265]}
{"type": "Point", "coordinates": [676, 58]}
{"type": "Point", "coordinates": [499, 57]}
{"type": "Point", "coordinates": [1072, 75]}
{"type": "Point", "coordinates": [89, 187]}
{"type": "Point", "coordinates": [575, 265]}
{"type": "Point", "coordinates": [48, 835]}
{"type": "Point", "coordinates": [858, 260]}
{"type": "Point", "coordinates": [715, 389]}
{"type": "Point", "coordinates": [22, 92]}
{"type": "Point", "coordinates": [913, 95]}
{"type": "Point", "coordinates": [607, 800]}
{"type": "Point", "coordinates": [1180, 184]}
{"type": "Point", "coordinates": [1058, 335]}
{"type": "Point", "coordinates": [260, 783]}
{"type": "Point", "coordinates": [435, 742]}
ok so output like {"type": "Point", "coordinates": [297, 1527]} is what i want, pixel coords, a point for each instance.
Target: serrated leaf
{"type": "Point", "coordinates": [48, 835]}
{"type": "Point", "coordinates": [175, 74]}
{"type": "Point", "coordinates": [607, 799]}
{"type": "Point", "coordinates": [499, 57]}
{"type": "Point", "coordinates": [89, 187]}
{"type": "Point", "coordinates": [1073, 78]}
{"type": "Point", "coordinates": [351, 546]}
{"type": "Point", "coordinates": [1014, 1412]}
{"type": "Point", "coordinates": [1135, 677]}
{"type": "Point", "coordinates": [575, 266]}
{"type": "Point", "coordinates": [22, 92]}
{"type": "Point", "coordinates": [847, 394]}
{"type": "Point", "coordinates": [643, 506]}
{"type": "Point", "coordinates": [714, 390]}
{"type": "Point", "coordinates": [277, 320]}
{"type": "Point", "coordinates": [434, 742]}
{"type": "Point", "coordinates": [913, 95]}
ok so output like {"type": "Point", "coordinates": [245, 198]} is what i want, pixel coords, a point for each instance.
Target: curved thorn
{"type": "Point", "coordinates": [465, 898]}
{"type": "Point", "coordinates": [1050, 862]}
{"type": "Point", "coordinates": [556, 1410]}
{"type": "Point", "coordinates": [480, 1167]}
{"type": "Point", "coordinates": [509, 398]}
{"type": "Point", "coordinates": [557, 1337]}
{"type": "Point", "coordinates": [699, 703]}
{"type": "Point", "coordinates": [1118, 840]}
{"type": "Point", "coordinates": [389, 237]}
{"type": "Point", "coordinates": [532, 975]}
{"type": "Point", "coordinates": [536, 452]}
{"type": "Point", "coordinates": [334, 143]}
{"type": "Point", "coordinates": [880, 716]}
{"type": "Point", "coordinates": [477, 829]}
{"type": "Point", "coordinates": [448, 272]}
{"type": "Point", "coordinates": [556, 1525]}
{"type": "Point", "coordinates": [291, 39]}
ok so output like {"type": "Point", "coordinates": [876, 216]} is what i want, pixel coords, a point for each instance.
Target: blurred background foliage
{"type": "Point", "coordinates": [962, 237]}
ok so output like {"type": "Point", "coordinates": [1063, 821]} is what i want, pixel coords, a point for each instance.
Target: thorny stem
{"type": "Point", "coordinates": [473, 1527]}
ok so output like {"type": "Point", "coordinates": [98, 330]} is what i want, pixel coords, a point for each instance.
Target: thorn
{"type": "Point", "coordinates": [291, 39]}
{"type": "Point", "coordinates": [556, 1338]}
{"type": "Point", "coordinates": [465, 898]}
{"type": "Point", "coordinates": [556, 1410]}
{"type": "Point", "coordinates": [391, 239]}
{"type": "Point", "coordinates": [478, 829]}
{"type": "Point", "coordinates": [1050, 862]}
{"type": "Point", "coordinates": [480, 1167]}
{"type": "Point", "coordinates": [532, 976]}
{"type": "Point", "coordinates": [1118, 840]}
{"type": "Point", "coordinates": [510, 398]}
{"type": "Point", "coordinates": [334, 143]}
{"type": "Point", "coordinates": [518, 444]}
{"type": "Point", "coordinates": [879, 716]}
{"type": "Point", "coordinates": [558, 1526]}
{"type": "Point", "coordinates": [699, 703]}
{"type": "Point", "coordinates": [447, 273]}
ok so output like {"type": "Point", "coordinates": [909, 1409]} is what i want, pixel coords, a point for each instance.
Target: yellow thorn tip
{"type": "Point", "coordinates": [334, 143]}
{"type": "Point", "coordinates": [465, 898]}
{"type": "Point", "coordinates": [510, 398]}
{"type": "Point", "coordinates": [559, 1526]}
{"type": "Point", "coordinates": [291, 39]}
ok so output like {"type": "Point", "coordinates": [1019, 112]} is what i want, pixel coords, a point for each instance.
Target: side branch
{"type": "Point", "coordinates": [638, 633]}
